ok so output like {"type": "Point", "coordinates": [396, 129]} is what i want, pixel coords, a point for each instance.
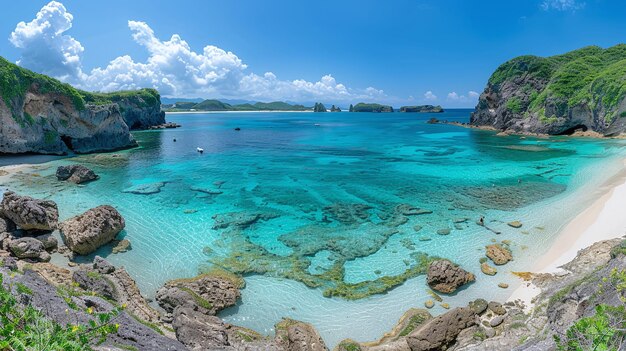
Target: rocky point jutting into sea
{"type": "Point", "coordinates": [300, 231]}
{"type": "Point", "coordinates": [39, 114]}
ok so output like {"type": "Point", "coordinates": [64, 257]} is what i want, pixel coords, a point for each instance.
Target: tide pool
{"type": "Point", "coordinates": [308, 206]}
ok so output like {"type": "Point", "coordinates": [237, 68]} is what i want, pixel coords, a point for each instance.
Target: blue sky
{"type": "Point", "coordinates": [394, 51]}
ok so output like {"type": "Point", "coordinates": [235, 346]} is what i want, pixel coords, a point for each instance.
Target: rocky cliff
{"type": "Point", "coordinates": [582, 89]}
{"type": "Point", "coordinates": [39, 114]}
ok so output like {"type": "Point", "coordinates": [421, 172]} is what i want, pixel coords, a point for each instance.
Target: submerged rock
{"type": "Point", "coordinates": [487, 269]}
{"type": "Point", "coordinates": [515, 224]}
{"type": "Point", "coordinates": [76, 174]}
{"type": "Point", "coordinates": [498, 254]}
{"type": "Point", "coordinates": [443, 231]}
{"type": "Point", "coordinates": [446, 277]}
{"type": "Point", "coordinates": [85, 233]}
{"type": "Point", "coordinates": [239, 220]}
{"type": "Point", "coordinates": [122, 246]}
{"type": "Point", "coordinates": [28, 213]}
{"type": "Point", "coordinates": [348, 213]}
{"type": "Point", "coordinates": [145, 189]}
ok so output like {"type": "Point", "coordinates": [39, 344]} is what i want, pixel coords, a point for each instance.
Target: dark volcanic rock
{"type": "Point", "coordinates": [93, 281]}
{"type": "Point", "coordinates": [28, 213]}
{"type": "Point", "coordinates": [76, 174]}
{"type": "Point", "coordinates": [444, 276]}
{"type": "Point", "coordinates": [102, 266]}
{"type": "Point", "coordinates": [197, 330]}
{"type": "Point", "coordinates": [131, 332]}
{"type": "Point", "coordinates": [87, 232]}
{"type": "Point", "coordinates": [29, 248]}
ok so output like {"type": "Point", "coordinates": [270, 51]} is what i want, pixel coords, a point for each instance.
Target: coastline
{"type": "Point", "coordinates": [203, 112]}
{"type": "Point", "coordinates": [602, 220]}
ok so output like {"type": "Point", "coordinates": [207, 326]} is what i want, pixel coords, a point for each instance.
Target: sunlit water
{"type": "Point", "coordinates": [294, 165]}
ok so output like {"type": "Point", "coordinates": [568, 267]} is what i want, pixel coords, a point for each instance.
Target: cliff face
{"type": "Point", "coordinates": [39, 114]}
{"type": "Point", "coordinates": [583, 89]}
{"type": "Point", "coordinates": [140, 109]}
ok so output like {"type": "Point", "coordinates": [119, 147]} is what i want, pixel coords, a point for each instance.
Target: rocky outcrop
{"type": "Point", "coordinates": [208, 293]}
{"type": "Point", "coordinates": [199, 331]}
{"type": "Point", "coordinates": [77, 174]}
{"type": "Point", "coordinates": [85, 233]}
{"type": "Point", "coordinates": [580, 90]}
{"type": "Point", "coordinates": [29, 248]}
{"type": "Point", "coordinates": [141, 110]}
{"type": "Point", "coordinates": [441, 331]}
{"type": "Point", "coordinates": [28, 213]}
{"type": "Point", "coordinates": [131, 334]}
{"type": "Point", "coordinates": [446, 277]}
{"type": "Point", "coordinates": [298, 336]}
{"type": "Point", "coordinates": [39, 114]}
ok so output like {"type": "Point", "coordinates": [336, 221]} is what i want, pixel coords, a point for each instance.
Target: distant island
{"type": "Point", "coordinates": [216, 105]}
{"type": "Point", "coordinates": [422, 109]}
{"type": "Point", "coordinates": [363, 107]}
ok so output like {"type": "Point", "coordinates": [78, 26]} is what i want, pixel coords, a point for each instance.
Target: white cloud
{"type": "Point", "coordinates": [562, 5]}
{"type": "Point", "coordinates": [471, 97]}
{"type": "Point", "coordinates": [172, 66]}
{"type": "Point", "coordinates": [430, 96]}
{"type": "Point", "coordinates": [453, 96]}
{"type": "Point", "coordinates": [44, 46]}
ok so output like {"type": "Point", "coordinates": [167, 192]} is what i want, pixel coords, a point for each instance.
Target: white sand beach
{"type": "Point", "coordinates": [605, 219]}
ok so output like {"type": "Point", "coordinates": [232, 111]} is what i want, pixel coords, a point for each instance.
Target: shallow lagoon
{"type": "Point", "coordinates": [298, 197]}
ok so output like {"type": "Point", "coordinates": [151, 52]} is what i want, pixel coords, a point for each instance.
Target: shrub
{"type": "Point", "coordinates": [25, 328]}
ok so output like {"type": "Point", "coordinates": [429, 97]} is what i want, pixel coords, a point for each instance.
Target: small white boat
{"type": "Point", "coordinates": [200, 150]}
{"type": "Point", "coordinates": [317, 124]}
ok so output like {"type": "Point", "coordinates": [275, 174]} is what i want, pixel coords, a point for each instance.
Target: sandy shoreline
{"type": "Point", "coordinates": [604, 219]}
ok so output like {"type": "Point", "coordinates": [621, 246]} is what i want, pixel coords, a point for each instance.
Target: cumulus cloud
{"type": "Point", "coordinates": [471, 96]}
{"type": "Point", "coordinates": [43, 45]}
{"type": "Point", "coordinates": [430, 96]}
{"type": "Point", "coordinates": [172, 66]}
{"type": "Point", "coordinates": [562, 5]}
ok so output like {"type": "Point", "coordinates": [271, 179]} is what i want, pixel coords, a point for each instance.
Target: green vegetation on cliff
{"type": "Point", "coordinates": [15, 81]}
{"type": "Point", "coordinates": [363, 107]}
{"type": "Point", "coordinates": [590, 77]}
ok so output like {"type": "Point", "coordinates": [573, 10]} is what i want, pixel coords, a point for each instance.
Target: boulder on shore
{"type": "Point", "coordinates": [85, 233]}
{"type": "Point", "coordinates": [29, 248]}
{"type": "Point", "coordinates": [294, 335]}
{"type": "Point", "coordinates": [28, 213]}
{"type": "Point", "coordinates": [446, 277]}
{"type": "Point", "coordinates": [209, 293]}
{"type": "Point", "coordinates": [441, 331]}
{"type": "Point", "coordinates": [76, 174]}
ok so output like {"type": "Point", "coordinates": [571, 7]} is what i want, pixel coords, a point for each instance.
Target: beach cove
{"type": "Point", "coordinates": [302, 176]}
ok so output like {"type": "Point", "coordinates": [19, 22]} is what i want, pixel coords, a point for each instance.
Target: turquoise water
{"type": "Point", "coordinates": [294, 197]}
